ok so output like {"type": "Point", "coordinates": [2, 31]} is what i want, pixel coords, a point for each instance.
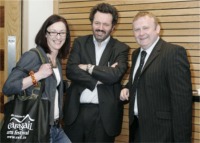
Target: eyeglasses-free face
{"type": "Point", "coordinates": [102, 26]}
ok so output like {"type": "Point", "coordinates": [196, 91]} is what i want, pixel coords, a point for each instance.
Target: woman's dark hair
{"type": "Point", "coordinates": [104, 8]}
{"type": "Point", "coordinates": [41, 39]}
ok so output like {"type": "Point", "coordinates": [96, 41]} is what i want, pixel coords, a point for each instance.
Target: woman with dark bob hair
{"type": "Point", "coordinates": [53, 43]}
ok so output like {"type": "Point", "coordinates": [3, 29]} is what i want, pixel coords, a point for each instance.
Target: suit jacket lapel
{"type": "Point", "coordinates": [90, 50]}
{"type": "Point", "coordinates": [153, 55]}
{"type": "Point", "coordinates": [107, 53]}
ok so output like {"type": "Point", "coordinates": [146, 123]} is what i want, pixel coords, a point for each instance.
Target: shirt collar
{"type": "Point", "coordinates": [148, 50]}
{"type": "Point", "coordinates": [103, 42]}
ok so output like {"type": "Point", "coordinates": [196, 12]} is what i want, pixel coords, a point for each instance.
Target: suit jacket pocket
{"type": "Point", "coordinates": [163, 115]}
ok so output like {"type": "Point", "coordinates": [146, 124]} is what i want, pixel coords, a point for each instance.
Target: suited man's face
{"type": "Point", "coordinates": [146, 31]}
{"type": "Point", "coordinates": [102, 26]}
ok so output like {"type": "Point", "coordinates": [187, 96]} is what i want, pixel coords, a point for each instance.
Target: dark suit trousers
{"type": "Point", "coordinates": [88, 126]}
{"type": "Point", "coordinates": [134, 136]}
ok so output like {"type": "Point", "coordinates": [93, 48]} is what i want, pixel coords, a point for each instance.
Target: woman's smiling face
{"type": "Point", "coordinates": [56, 36]}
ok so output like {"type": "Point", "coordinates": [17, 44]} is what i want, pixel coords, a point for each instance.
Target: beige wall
{"type": "Point", "coordinates": [35, 12]}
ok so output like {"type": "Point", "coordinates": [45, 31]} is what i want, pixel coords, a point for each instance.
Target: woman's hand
{"type": "Point", "coordinates": [44, 71]}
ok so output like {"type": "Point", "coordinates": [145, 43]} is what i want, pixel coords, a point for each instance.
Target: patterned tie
{"type": "Point", "coordinates": [137, 75]}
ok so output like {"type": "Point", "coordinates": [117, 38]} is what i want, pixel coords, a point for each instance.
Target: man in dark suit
{"type": "Point", "coordinates": [160, 92]}
{"type": "Point", "coordinates": [93, 111]}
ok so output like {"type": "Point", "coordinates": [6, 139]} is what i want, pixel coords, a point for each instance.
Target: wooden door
{"type": "Point", "coordinates": [10, 25]}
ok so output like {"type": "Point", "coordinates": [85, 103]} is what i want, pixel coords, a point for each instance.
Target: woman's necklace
{"type": "Point", "coordinates": [52, 65]}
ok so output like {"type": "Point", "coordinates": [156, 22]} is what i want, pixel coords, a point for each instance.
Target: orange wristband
{"type": "Point", "coordinates": [35, 83]}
